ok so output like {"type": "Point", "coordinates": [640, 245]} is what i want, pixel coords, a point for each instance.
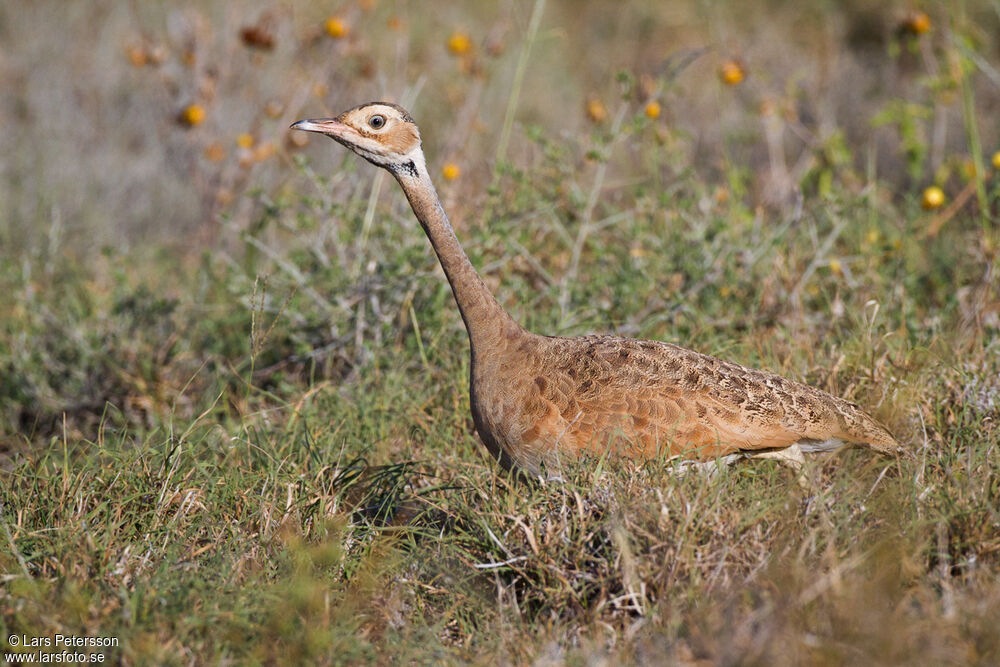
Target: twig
{"type": "Point", "coordinates": [490, 566]}
{"type": "Point", "coordinates": [522, 66]}
{"type": "Point", "coordinates": [819, 258]}
{"type": "Point", "coordinates": [586, 226]}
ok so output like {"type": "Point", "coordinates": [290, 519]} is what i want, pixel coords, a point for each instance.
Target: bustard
{"type": "Point", "coordinates": [539, 401]}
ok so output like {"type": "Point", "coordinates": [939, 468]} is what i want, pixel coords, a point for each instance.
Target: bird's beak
{"type": "Point", "coordinates": [328, 126]}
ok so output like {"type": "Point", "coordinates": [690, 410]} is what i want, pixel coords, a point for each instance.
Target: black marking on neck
{"type": "Point", "coordinates": [409, 167]}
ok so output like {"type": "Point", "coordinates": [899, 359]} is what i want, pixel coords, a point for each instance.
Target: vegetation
{"type": "Point", "coordinates": [234, 421]}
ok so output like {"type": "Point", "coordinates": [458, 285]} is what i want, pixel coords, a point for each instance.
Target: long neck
{"type": "Point", "coordinates": [485, 319]}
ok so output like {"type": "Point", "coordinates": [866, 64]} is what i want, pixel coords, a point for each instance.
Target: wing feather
{"type": "Point", "coordinates": [657, 396]}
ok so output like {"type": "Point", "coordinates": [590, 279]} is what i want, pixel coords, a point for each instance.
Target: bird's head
{"type": "Point", "coordinates": [380, 132]}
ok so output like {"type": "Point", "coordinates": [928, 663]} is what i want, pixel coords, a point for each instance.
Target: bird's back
{"type": "Point", "coordinates": [543, 399]}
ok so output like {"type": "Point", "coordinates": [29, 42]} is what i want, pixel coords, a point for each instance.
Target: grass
{"type": "Point", "coordinates": [242, 434]}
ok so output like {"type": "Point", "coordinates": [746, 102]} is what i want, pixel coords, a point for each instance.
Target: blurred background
{"type": "Point", "coordinates": [660, 169]}
{"type": "Point", "coordinates": [137, 122]}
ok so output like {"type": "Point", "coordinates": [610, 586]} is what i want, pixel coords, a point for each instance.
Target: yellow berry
{"type": "Point", "coordinates": [450, 171]}
{"type": "Point", "coordinates": [193, 114]}
{"type": "Point", "coordinates": [836, 267]}
{"type": "Point", "coordinates": [871, 238]}
{"type": "Point", "coordinates": [996, 160]}
{"type": "Point", "coordinates": [459, 43]}
{"type": "Point", "coordinates": [336, 28]}
{"type": "Point", "coordinates": [652, 109]}
{"type": "Point", "coordinates": [596, 110]}
{"type": "Point", "coordinates": [244, 140]}
{"type": "Point", "coordinates": [933, 198]}
{"type": "Point", "coordinates": [732, 72]}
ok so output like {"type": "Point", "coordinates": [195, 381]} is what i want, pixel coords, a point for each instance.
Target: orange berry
{"type": "Point", "coordinates": [193, 114]}
{"type": "Point", "coordinates": [214, 152]}
{"type": "Point", "coordinates": [652, 109]}
{"type": "Point", "coordinates": [451, 171]}
{"type": "Point", "coordinates": [932, 198]}
{"type": "Point", "coordinates": [263, 151]}
{"type": "Point", "coordinates": [136, 56]}
{"type": "Point", "coordinates": [244, 140]}
{"type": "Point", "coordinates": [274, 109]}
{"type": "Point", "coordinates": [459, 43]}
{"type": "Point", "coordinates": [336, 28]}
{"type": "Point", "coordinates": [296, 139]}
{"type": "Point", "coordinates": [596, 110]}
{"type": "Point", "coordinates": [918, 22]}
{"type": "Point", "coordinates": [732, 72]}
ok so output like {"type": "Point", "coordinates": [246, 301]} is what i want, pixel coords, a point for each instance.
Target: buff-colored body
{"type": "Point", "coordinates": [540, 401]}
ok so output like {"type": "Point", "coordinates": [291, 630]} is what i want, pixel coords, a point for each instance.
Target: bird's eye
{"type": "Point", "coordinates": [377, 121]}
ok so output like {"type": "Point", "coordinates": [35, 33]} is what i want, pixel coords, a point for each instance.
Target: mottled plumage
{"type": "Point", "coordinates": [539, 401]}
